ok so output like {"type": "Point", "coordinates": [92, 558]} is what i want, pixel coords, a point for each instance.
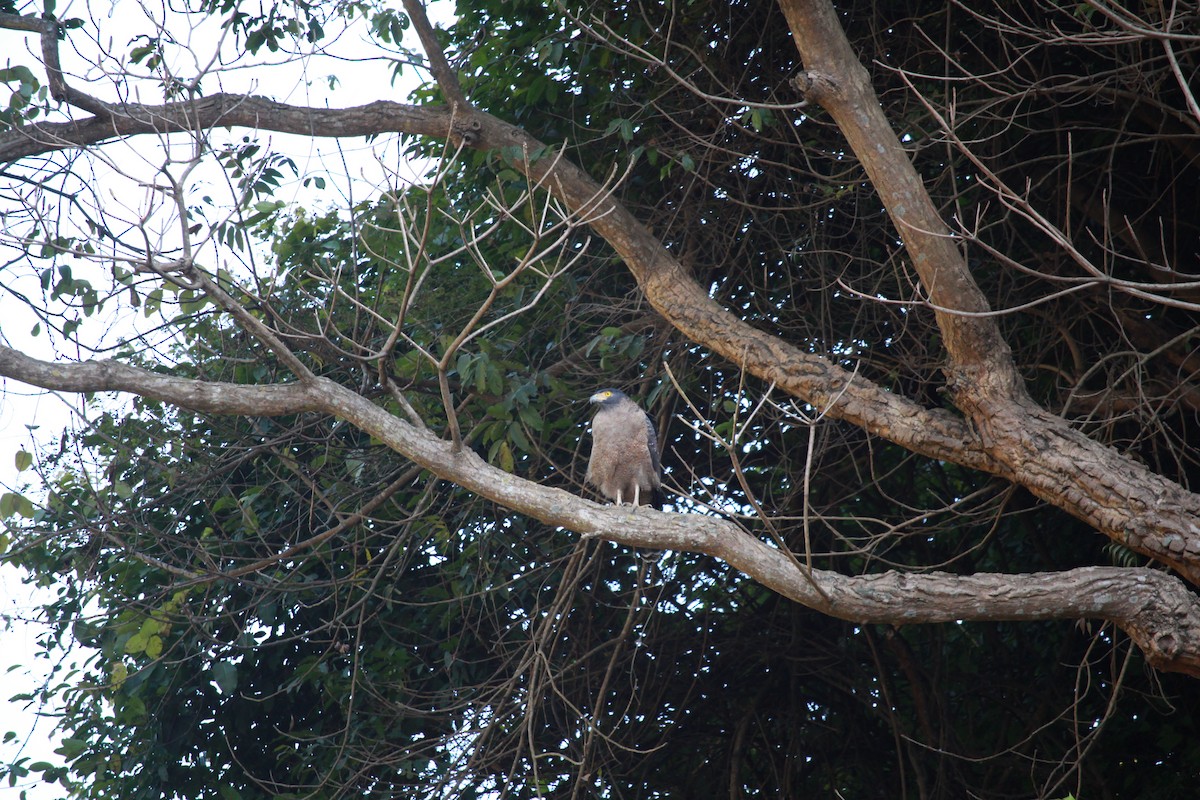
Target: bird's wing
{"type": "Point", "coordinates": [652, 442]}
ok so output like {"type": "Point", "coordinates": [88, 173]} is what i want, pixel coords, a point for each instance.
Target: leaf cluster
{"type": "Point", "coordinates": [434, 645]}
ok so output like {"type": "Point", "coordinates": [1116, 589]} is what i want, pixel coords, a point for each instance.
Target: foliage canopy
{"type": "Point", "coordinates": [939, 371]}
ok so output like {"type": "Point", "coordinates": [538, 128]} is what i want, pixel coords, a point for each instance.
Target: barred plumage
{"type": "Point", "coordinates": [624, 464]}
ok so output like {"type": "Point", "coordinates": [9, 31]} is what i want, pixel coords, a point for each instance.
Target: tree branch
{"type": "Point", "coordinates": [224, 111]}
{"type": "Point", "coordinates": [446, 78]}
{"type": "Point", "coordinates": [1155, 609]}
{"type": "Point", "coordinates": [837, 80]}
{"type": "Point", "coordinates": [1016, 440]}
{"type": "Point", "coordinates": [112, 376]}
{"type": "Point", "coordinates": [49, 29]}
{"type": "Point", "coordinates": [1139, 509]}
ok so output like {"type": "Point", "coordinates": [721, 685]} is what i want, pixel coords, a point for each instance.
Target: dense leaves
{"type": "Point", "coordinates": [282, 607]}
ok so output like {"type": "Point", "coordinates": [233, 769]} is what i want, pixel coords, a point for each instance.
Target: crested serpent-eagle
{"type": "Point", "coordinates": [624, 463]}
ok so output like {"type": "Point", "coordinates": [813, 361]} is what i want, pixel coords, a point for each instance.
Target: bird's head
{"type": "Point", "coordinates": [606, 396]}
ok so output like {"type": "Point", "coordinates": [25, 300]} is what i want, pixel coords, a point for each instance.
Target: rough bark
{"type": "Point", "coordinates": [222, 111]}
{"type": "Point", "coordinates": [1095, 483]}
{"type": "Point", "coordinates": [1157, 610]}
{"type": "Point", "coordinates": [1009, 436]}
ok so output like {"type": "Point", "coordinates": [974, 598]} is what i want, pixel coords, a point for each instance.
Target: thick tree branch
{"type": "Point", "coordinates": [112, 376]}
{"type": "Point", "coordinates": [668, 285]}
{"type": "Point", "coordinates": [840, 84]}
{"type": "Point", "coordinates": [446, 78]}
{"type": "Point", "coordinates": [1155, 609]}
{"type": "Point", "coordinates": [49, 30]}
{"type": "Point", "coordinates": [674, 293]}
{"type": "Point", "coordinates": [224, 111]}
{"type": "Point", "coordinates": [1016, 440]}
{"type": "Point", "coordinates": [1109, 491]}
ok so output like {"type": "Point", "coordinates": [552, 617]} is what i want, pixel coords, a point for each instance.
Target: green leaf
{"type": "Point", "coordinates": [224, 674]}
{"type": "Point", "coordinates": [530, 416]}
{"type": "Point", "coordinates": [153, 302]}
{"type": "Point", "coordinates": [13, 504]}
{"type": "Point", "coordinates": [136, 644]}
{"type": "Point", "coordinates": [72, 748]}
{"type": "Point", "coordinates": [133, 710]}
{"type": "Point", "coordinates": [119, 674]}
{"type": "Point", "coordinates": [154, 646]}
{"type": "Point", "coordinates": [519, 438]}
{"type": "Point", "coordinates": [23, 460]}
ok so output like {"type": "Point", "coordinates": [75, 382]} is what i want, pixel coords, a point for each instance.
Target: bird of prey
{"type": "Point", "coordinates": [624, 463]}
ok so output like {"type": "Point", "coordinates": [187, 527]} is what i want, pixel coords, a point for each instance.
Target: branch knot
{"type": "Point", "coordinates": [467, 131]}
{"type": "Point", "coordinates": [814, 86]}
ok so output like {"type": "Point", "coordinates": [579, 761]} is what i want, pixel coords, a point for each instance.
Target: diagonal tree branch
{"type": "Point", "coordinates": [1109, 491]}
{"type": "Point", "coordinates": [446, 78]}
{"type": "Point", "coordinates": [837, 80]}
{"type": "Point", "coordinates": [1010, 437]}
{"type": "Point", "coordinates": [1155, 609]}
{"type": "Point", "coordinates": [1021, 441]}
